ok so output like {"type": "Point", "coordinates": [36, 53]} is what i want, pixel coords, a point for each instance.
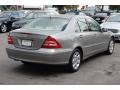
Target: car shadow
{"type": "Point", "coordinates": [40, 69]}
{"type": "Point", "coordinates": [117, 41]}
{"type": "Point", "coordinates": [92, 58]}
{"type": "Point", "coordinates": [49, 70]}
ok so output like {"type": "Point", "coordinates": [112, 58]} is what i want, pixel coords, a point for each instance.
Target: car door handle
{"type": "Point", "coordinates": [81, 36]}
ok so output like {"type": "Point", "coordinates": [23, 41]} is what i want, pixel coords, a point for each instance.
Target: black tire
{"type": "Point", "coordinates": [70, 66]}
{"type": "Point", "coordinates": [3, 28]}
{"type": "Point", "coordinates": [110, 51]}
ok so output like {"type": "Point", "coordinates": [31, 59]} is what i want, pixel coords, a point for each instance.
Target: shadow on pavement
{"type": "Point", "coordinates": [92, 58]}
{"type": "Point", "coordinates": [49, 70]}
{"type": "Point", "coordinates": [40, 69]}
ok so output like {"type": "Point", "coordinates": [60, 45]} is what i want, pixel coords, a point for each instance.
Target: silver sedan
{"type": "Point", "coordinates": [61, 39]}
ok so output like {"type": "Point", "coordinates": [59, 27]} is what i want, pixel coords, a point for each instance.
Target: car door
{"type": "Point", "coordinates": [99, 36]}
{"type": "Point", "coordinates": [86, 38]}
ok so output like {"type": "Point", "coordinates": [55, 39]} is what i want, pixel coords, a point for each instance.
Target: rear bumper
{"type": "Point", "coordinates": [44, 56]}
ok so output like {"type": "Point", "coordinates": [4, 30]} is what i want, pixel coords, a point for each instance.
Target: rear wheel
{"type": "Point", "coordinates": [3, 28]}
{"type": "Point", "coordinates": [110, 47]}
{"type": "Point", "coordinates": [74, 62]}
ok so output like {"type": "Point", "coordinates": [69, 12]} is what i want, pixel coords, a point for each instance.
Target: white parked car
{"type": "Point", "coordinates": [112, 23]}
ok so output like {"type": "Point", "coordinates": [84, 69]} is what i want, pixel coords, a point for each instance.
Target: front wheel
{"type": "Point", "coordinates": [74, 62]}
{"type": "Point", "coordinates": [110, 47]}
{"type": "Point", "coordinates": [3, 28]}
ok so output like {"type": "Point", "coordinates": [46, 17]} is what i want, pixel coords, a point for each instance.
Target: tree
{"type": "Point", "coordinates": [100, 7]}
{"type": "Point", "coordinates": [68, 7]}
{"type": "Point", "coordinates": [8, 7]}
{"type": "Point", "coordinates": [71, 7]}
{"type": "Point", "coordinates": [60, 7]}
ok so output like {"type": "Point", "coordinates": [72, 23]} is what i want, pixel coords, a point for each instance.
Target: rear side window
{"type": "Point", "coordinates": [48, 24]}
{"type": "Point", "coordinates": [83, 25]}
{"type": "Point", "coordinates": [93, 25]}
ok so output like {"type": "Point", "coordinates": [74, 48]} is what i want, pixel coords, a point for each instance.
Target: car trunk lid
{"type": "Point", "coordinates": [30, 39]}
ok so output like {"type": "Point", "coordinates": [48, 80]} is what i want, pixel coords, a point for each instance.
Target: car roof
{"type": "Point", "coordinates": [66, 16]}
{"type": "Point", "coordinates": [43, 11]}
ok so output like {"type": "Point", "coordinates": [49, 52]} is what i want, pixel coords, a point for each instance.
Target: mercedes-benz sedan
{"type": "Point", "coordinates": [59, 39]}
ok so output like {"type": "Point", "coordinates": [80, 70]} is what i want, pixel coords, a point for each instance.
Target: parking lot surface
{"type": "Point", "coordinates": [100, 69]}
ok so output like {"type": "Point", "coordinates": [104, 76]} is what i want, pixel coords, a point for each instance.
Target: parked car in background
{"type": "Point", "coordinates": [25, 11]}
{"type": "Point", "coordinates": [113, 24]}
{"type": "Point", "coordinates": [61, 39]}
{"type": "Point", "coordinates": [100, 16]}
{"type": "Point", "coordinates": [51, 9]}
{"type": "Point", "coordinates": [8, 17]}
{"type": "Point", "coordinates": [75, 13]}
{"type": "Point", "coordinates": [31, 16]}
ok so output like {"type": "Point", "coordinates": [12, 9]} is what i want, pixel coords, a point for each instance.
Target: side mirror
{"type": "Point", "coordinates": [104, 30]}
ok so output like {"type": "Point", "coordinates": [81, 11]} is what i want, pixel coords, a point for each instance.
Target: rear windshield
{"type": "Point", "coordinates": [48, 24]}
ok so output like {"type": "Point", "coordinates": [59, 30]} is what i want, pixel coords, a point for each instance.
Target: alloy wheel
{"type": "Point", "coordinates": [76, 60]}
{"type": "Point", "coordinates": [3, 28]}
{"type": "Point", "coordinates": [111, 46]}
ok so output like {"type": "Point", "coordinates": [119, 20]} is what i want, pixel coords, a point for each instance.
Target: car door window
{"type": "Point", "coordinates": [35, 15]}
{"type": "Point", "coordinates": [93, 25]}
{"type": "Point", "coordinates": [40, 14]}
{"type": "Point", "coordinates": [15, 14]}
{"type": "Point", "coordinates": [46, 13]}
{"type": "Point", "coordinates": [21, 14]}
{"type": "Point", "coordinates": [83, 25]}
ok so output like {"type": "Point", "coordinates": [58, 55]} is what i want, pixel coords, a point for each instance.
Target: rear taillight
{"type": "Point", "coordinates": [51, 42]}
{"type": "Point", "coordinates": [10, 39]}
